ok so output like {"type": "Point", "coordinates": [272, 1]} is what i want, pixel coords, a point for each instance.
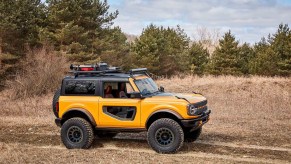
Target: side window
{"type": "Point", "coordinates": [110, 89]}
{"type": "Point", "coordinates": [117, 89]}
{"type": "Point", "coordinates": [79, 87]}
{"type": "Point", "coordinates": [129, 88]}
{"type": "Point", "coordinates": [120, 112]}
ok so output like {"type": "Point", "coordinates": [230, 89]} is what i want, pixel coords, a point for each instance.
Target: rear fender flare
{"type": "Point", "coordinates": [84, 111]}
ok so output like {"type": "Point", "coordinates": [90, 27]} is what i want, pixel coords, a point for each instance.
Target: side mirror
{"type": "Point", "coordinates": [134, 95]}
{"type": "Point", "coordinates": [162, 89]}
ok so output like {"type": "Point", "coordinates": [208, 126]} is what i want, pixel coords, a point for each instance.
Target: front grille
{"type": "Point", "coordinates": [201, 110]}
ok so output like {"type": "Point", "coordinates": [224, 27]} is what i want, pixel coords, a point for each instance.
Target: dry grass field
{"type": "Point", "coordinates": [250, 123]}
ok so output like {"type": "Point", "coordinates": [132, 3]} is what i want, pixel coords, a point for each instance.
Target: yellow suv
{"type": "Point", "coordinates": [102, 101]}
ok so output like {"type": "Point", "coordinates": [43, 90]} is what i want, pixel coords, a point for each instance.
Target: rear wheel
{"type": "Point", "coordinates": [193, 135]}
{"type": "Point", "coordinates": [165, 136]}
{"type": "Point", "coordinates": [77, 133]}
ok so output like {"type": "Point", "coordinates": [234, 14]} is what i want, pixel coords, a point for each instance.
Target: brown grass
{"type": "Point", "coordinates": [37, 106]}
{"type": "Point", "coordinates": [41, 73]}
{"type": "Point", "coordinates": [245, 111]}
{"type": "Point", "coordinates": [255, 109]}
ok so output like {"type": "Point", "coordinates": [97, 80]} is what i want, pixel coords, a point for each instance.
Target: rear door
{"type": "Point", "coordinates": [116, 109]}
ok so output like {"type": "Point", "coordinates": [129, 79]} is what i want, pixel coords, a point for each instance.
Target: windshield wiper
{"type": "Point", "coordinates": [151, 93]}
{"type": "Point", "coordinates": [148, 93]}
{"type": "Point", "coordinates": [156, 92]}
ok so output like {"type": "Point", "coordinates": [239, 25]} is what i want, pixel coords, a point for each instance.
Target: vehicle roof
{"type": "Point", "coordinates": [107, 76]}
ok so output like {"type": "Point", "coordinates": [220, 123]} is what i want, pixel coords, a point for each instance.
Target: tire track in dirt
{"type": "Point", "coordinates": [44, 136]}
{"type": "Point", "coordinates": [228, 144]}
{"type": "Point", "coordinates": [234, 145]}
{"type": "Point", "coordinates": [202, 155]}
{"type": "Point", "coordinates": [212, 143]}
{"type": "Point", "coordinates": [127, 140]}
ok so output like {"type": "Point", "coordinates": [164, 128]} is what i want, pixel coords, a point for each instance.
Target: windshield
{"type": "Point", "coordinates": [146, 86]}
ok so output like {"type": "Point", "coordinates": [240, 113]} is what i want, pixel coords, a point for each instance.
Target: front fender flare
{"type": "Point", "coordinates": [177, 115]}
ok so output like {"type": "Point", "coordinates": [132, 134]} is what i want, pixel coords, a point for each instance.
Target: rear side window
{"type": "Point", "coordinates": [79, 87]}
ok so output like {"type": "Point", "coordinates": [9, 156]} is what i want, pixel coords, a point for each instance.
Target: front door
{"type": "Point", "coordinates": [116, 108]}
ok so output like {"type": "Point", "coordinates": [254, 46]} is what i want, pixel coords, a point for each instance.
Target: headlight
{"type": "Point", "coordinates": [192, 109]}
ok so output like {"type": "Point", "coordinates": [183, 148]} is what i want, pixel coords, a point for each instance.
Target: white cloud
{"type": "Point", "coordinates": [249, 20]}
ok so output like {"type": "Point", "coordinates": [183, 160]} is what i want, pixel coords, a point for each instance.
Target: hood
{"type": "Point", "coordinates": [191, 98]}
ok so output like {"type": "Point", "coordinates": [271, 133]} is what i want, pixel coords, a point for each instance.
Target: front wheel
{"type": "Point", "coordinates": [165, 136]}
{"type": "Point", "coordinates": [77, 133]}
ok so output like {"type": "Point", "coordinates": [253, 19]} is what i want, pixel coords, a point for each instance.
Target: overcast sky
{"type": "Point", "coordinates": [249, 20]}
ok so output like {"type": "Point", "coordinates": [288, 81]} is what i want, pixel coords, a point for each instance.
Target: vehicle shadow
{"type": "Point", "coordinates": [123, 140]}
{"type": "Point", "coordinates": [139, 141]}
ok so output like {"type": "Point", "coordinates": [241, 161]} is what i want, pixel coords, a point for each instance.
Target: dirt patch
{"type": "Point", "coordinates": [35, 141]}
{"type": "Point", "coordinates": [250, 123]}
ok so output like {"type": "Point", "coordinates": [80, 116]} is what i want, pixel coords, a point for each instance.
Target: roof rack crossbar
{"type": "Point", "coordinates": [77, 73]}
{"type": "Point", "coordinates": [78, 67]}
{"type": "Point", "coordinates": [138, 70]}
{"type": "Point", "coordinates": [87, 72]}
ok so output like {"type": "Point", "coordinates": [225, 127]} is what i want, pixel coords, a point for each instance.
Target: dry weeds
{"type": "Point", "coordinates": [255, 109]}
{"type": "Point", "coordinates": [250, 122]}
{"type": "Point", "coordinates": [41, 73]}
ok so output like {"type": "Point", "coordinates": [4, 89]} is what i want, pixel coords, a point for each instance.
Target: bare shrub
{"type": "Point", "coordinates": [209, 38]}
{"type": "Point", "coordinates": [41, 73]}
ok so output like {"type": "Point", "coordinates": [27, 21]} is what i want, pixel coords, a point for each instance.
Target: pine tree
{"type": "Point", "coordinates": [115, 48]}
{"type": "Point", "coordinates": [162, 50]}
{"type": "Point", "coordinates": [225, 58]}
{"type": "Point", "coordinates": [264, 62]}
{"type": "Point", "coordinates": [20, 22]}
{"type": "Point", "coordinates": [246, 54]}
{"type": "Point", "coordinates": [198, 58]}
{"type": "Point", "coordinates": [79, 28]}
{"type": "Point", "coordinates": [281, 44]}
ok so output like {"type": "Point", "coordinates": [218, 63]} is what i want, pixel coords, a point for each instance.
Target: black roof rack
{"type": "Point", "coordinates": [93, 69]}
{"type": "Point", "coordinates": [102, 69]}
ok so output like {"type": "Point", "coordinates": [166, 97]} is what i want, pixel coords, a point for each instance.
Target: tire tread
{"type": "Point", "coordinates": [89, 130]}
{"type": "Point", "coordinates": [166, 121]}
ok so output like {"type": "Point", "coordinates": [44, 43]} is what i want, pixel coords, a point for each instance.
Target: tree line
{"type": "Point", "coordinates": [82, 30]}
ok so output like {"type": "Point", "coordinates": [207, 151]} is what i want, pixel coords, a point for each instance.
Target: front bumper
{"type": "Point", "coordinates": [197, 122]}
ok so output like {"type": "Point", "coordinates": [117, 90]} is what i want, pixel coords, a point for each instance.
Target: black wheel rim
{"type": "Point", "coordinates": [164, 136]}
{"type": "Point", "coordinates": [75, 134]}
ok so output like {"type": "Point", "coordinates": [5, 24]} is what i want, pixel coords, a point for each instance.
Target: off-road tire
{"type": "Point", "coordinates": [84, 127]}
{"type": "Point", "coordinates": [161, 126]}
{"type": "Point", "coordinates": [55, 100]}
{"type": "Point", "coordinates": [193, 135]}
{"type": "Point", "coordinates": [101, 134]}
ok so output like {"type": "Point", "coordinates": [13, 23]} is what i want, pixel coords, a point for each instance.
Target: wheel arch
{"type": "Point", "coordinates": [78, 112]}
{"type": "Point", "coordinates": [164, 113]}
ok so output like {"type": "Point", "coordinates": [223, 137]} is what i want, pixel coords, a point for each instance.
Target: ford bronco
{"type": "Point", "coordinates": [98, 100]}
